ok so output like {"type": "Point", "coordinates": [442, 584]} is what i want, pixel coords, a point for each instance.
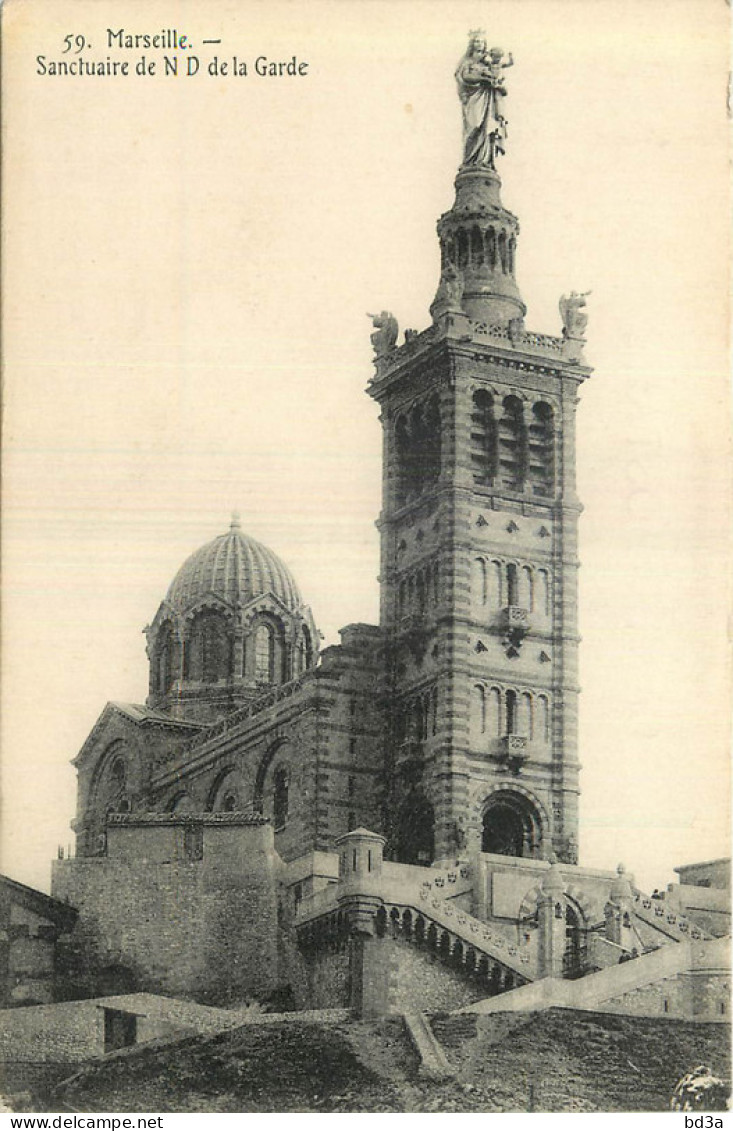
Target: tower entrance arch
{"type": "Point", "coordinates": [510, 826]}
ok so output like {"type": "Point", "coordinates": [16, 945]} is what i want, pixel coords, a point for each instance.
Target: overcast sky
{"type": "Point", "coordinates": [188, 266]}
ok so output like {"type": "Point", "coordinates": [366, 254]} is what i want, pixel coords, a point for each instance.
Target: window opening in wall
{"type": "Point", "coordinates": [527, 589]}
{"type": "Point", "coordinates": [369, 860]}
{"type": "Point", "coordinates": [193, 842]}
{"type": "Point", "coordinates": [541, 464]}
{"type": "Point", "coordinates": [511, 584]}
{"type": "Point", "coordinates": [117, 774]}
{"type": "Point", "coordinates": [351, 786]}
{"type": "Point", "coordinates": [511, 712]}
{"type": "Point", "coordinates": [351, 823]}
{"type": "Point", "coordinates": [264, 654]}
{"type": "Point", "coordinates": [280, 798]}
{"type": "Point", "coordinates": [165, 659]}
{"type": "Point", "coordinates": [511, 445]}
{"type": "Point", "coordinates": [666, 1006]}
{"type": "Point", "coordinates": [307, 649]}
{"type": "Point", "coordinates": [298, 895]}
{"type": "Point", "coordinates": [120, 1030]}
{"type": "Point", "coordinates": [352, 746]}
{"type": "Point", "coordinates": [354, 860]}
{"type": "Point", "coordinates": [483, 438]}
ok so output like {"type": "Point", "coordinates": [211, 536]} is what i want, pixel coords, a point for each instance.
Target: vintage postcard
{"type": "Point", "coordinates": [366, 557]}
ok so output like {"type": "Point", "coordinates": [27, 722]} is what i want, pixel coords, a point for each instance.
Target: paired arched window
{"type": "Point", "coordinates": [419, 590]}
{"type": "Point", "coordinates": [509, 445]}
{"type": "Point", "coordinates": [496, 584]}
{"type": "Point", "coordinates": [418, 719]}
{"type": "Point", "coordinates": [495, 712]}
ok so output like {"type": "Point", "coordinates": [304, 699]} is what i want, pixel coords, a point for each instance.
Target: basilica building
{"type": "Point", "coordinates": [276, 813]}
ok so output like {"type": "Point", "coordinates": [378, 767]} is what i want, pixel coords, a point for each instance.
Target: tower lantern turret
{"type": "Point", "coordinates": [478, 236]}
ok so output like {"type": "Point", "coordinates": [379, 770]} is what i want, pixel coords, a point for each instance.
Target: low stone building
{"type": "Point", "coordinates": [31, 923]}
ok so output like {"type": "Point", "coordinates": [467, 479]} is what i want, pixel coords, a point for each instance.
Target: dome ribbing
{"type": "Point", "coordinates": [235, 568]}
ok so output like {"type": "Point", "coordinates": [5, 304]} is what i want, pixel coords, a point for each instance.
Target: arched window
{"type": "Point", "coordinates": [477, 248]}
{"type": "Point", "coordinates": [491, 248]}
{"type": "Point", "coordinates": [511, 712]}
{"type": "Point", "coordinates": [541, 469]}
{"type": "Point", "coordinates": [512, 445]}
{"type": "Point", "coordinates": [542, 596]}
{"type": "Point", "coordinates": [209, 650]}
{"type": "Point", "coordinates": [480, 582]}
{"type": "Point", "coordinates": [264, 654]}
{"type": "Point", "coordinates": [493, 720]}
{"type": "Point", "coordinates": [512, 588]}
{"type": "Point", "coordinates": [462, 248]}
{"type": "Point", "coordinates": [306, 649]}
{"type": "Point", "coordinates": [502, 251]}
{"type": "Point", "coordinates": [483, 438]}
{"type": "Point", "coordinates": [526, 588]}
{"type": "Point", "coordinates": [497, 588]}
{"type": "Point", "coordinates": [524, 721]}
{"type": "Point", "coordinates": [164, 659]}
{"type": "Point", "coordinates": [280, 797]}
{"type": "Point", "coordinates": [478, 714]}
{"type": "Point", "coordinates": [542, 728]}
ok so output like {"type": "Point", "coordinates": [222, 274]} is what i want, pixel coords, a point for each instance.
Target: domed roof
{"type": "Point", "coordinates": [236, 569]}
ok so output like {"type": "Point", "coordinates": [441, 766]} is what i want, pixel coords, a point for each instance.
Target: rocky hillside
{"type": "Point", "coordinates": [553, 1061]}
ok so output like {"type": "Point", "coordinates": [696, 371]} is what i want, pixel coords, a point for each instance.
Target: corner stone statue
{"type": "Point", "coordinates": [385, 333]}
{"type": "Point", "coordinates": [574, 320]}
{"type": "Point", "coordinates": [481, 91]}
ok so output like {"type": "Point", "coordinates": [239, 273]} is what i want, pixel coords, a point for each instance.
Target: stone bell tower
{"type": "Point", "coordinates": [479, 534]}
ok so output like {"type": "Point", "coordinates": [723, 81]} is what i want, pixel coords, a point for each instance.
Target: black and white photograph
{"type": "Point", "coordinates": [366, 558]}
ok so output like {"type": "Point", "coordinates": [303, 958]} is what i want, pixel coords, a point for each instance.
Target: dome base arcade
{"type": "Point", "coordinates": [232, 625]}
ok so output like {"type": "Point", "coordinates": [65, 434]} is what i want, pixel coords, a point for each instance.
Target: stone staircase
{"type": "Point", "coordinates": [598, 990]}
{"type": "Point", "coordinates": [417, 906]}
{"type": "Point", "coordinates": [655, 914]}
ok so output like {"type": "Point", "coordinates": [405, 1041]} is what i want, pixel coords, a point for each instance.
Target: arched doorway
{"type": "Point", "coordinates": [415, 832]}
{"type": "Point", "coordinates": [511, 826]}
{"type": "Point", "coordinates": [573, 957]}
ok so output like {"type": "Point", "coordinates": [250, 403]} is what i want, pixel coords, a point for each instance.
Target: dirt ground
{"type": "Point", "coordinates": [554, 1061]}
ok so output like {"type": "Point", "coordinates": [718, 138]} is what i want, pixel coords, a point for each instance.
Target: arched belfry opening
{"type": "Point", "coordinates": [510, 826]}
{"type": "Point", "coordinates": [414, 838]}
